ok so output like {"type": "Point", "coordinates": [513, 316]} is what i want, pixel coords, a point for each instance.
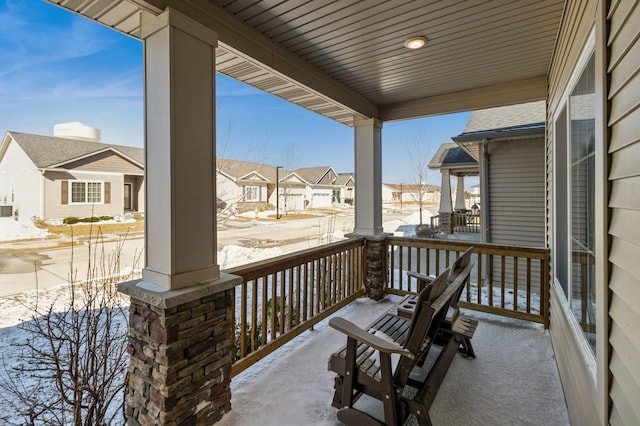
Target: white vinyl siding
{"type": "Point", "coordinates": [624, 204]}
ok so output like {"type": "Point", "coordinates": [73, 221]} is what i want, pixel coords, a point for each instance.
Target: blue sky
{"type": "Point", "coordinates": [57, 67]}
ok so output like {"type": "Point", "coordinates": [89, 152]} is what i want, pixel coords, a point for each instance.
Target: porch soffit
{"type": "Point", "coordinates": [347, 58]}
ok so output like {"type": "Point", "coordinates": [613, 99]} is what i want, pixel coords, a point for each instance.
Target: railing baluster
{"type": "Point", "coordinates": [490, 290]}
{"type": "Point", "coordinates": [480, 279]}
{"type": "Point", "coordinates": [528, 285]}
{"type": "Point", "coordinates": [263, 337]}
{"type": "Point", "coordinates": [515, 283]}
{"type": "Point", "coordinates": [283, 300]}
{"type": "Point", "coordinates": [502, 280]}
{"type": "Point", "coordinates": [274, 304]}
{"type": "Point", "coordinates": [243, 321]}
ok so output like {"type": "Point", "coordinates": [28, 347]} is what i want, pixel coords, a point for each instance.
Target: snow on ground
{"type": "Point", "coordinates": [513, 380]}
{"type": "Point", "coordinates": [21, 229]}
{"type": "Point", "coordinates": [233, 255]}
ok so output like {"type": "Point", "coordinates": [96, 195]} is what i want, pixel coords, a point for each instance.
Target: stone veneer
{"type": "Point", "coordinates": [375, 256]}
{"type": "Point", "coordinates": [181, 351]}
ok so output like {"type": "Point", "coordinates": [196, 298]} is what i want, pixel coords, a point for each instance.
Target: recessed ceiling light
{"type": "Point", "coordinates": [415, 42]}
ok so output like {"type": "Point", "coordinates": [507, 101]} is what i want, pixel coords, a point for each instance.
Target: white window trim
{"type": "Point", "coordinates": [86, 203]}
{"type": "Point", "coordinates": [589, 357]}
{"type": "Point", "coordinates": [258, 193]}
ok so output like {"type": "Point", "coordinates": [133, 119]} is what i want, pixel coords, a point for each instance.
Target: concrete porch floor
{"type": "Point", "coordinates": [513, 380]}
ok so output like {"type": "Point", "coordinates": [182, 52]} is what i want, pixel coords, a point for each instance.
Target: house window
{"type": "Point", "coordinates": [574, 199]}
{"type": "Point", "coordinates": [252, 193]}
{"type": "Point", "coordinates": [86, 192]}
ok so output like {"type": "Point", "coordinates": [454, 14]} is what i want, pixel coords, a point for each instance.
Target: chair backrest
{"type": "Point", "coordinates": [423, 301]}
{"type": "Point", "coordinates": [420, 324]}
{"type": "Point", "coordinates": [462, 261]}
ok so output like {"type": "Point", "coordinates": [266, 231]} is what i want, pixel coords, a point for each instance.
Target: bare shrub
{"type": "Point", "coordinates": [71, 367]}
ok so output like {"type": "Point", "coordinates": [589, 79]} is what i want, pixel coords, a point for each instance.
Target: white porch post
{"type": "Point", "coordinates": [460, 204]}
{"type": "Point", "coordinates": [368, 176]}
{"type": "Point", "coordinates": [179, 60]}
{"type": "Point", "coordinates": [445, 192]}
{"type": "Point", "coordinates": [181, 314]}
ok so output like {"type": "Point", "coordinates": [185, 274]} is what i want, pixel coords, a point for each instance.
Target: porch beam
{"type": "Point", "coordinates": [248, 43]}
{"type": "Point", "coordinates": [513, 92]}
{"type": "Point", "coordinates": [368, 176]}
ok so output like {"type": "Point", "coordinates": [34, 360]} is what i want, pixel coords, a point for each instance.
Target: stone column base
{"type": "Point", "coordinates": [181, 348]}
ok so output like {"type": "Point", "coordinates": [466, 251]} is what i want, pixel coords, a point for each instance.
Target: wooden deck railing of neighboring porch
{"type": "Point", "coordinates": [506, 280]}
{"type": "Point", "coordinates": [281, 297]}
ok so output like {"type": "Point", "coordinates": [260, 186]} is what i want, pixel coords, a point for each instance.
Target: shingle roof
{"type": "Point", "coordinates": [506, 117]}
{"type": "Point", "coordinates": [312, 174]}
{"type": "Point", "coordinates": [238, 169]}
{"type": "Point", "coordinates": [343, 178]}
{"type": "Point", "coordinates": [457, 155]}
{"type": "Point", "coordinates": [411, 187]}
{"type": "Point", "coordinates": [46, 151]}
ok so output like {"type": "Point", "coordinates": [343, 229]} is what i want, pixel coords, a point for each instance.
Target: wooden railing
{"type": "Point", "coordinates": [281, 297]}
{"type": "Point", "coordinates": [465, 222]}
{"type": "Point", "coordinates": [506, 280]}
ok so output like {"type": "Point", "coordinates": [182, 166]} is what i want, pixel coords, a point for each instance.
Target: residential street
{"type": "Point", "coordinates": [47, 263]}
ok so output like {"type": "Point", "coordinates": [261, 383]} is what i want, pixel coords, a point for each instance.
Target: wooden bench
{"type": "Point", "coordinates": [454, 323]}
{"type": "Point", "coordinates": [364, 365]}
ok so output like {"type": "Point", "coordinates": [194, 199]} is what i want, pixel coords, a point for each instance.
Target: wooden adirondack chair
{"type": "Point", "coordinates": [453, 322]}
{"type": "Point", "coordinates": [358, 374]}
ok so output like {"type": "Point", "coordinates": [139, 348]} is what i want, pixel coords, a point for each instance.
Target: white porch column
{"type": "Point", "coordinates": [460, 204]}
{"type": "Point", "coordinates": [445, 192]}
{"type": "Point", "coordinates": [368, 176]}
{"type": "Point", "coordinates": [180, 194]}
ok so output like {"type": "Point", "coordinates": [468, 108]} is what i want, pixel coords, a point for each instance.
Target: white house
{"type": "Point", "coordinates": [244, 185]}
{"type": "Point", "coordinates": [410, 192]}
{"type": "Point", "coordinates": [75, 175]}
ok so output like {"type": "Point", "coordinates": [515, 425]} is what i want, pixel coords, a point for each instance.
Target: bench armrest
{"type": "Point", "coordinates": [355, 332]}
{"type": "Point", "coordinates": [420, 276]}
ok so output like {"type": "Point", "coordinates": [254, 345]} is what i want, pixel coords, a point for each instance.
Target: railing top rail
{"type": "Point", "coordinates": [286, 261]}
{"type": "Point", "coordinates": [495, 249]}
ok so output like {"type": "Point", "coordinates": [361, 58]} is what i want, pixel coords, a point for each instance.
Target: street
{"type": "Point", "coordinates": [25, 265]}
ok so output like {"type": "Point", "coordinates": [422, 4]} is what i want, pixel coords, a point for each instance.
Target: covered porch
{"type": "Point", "coordinates": [194, 327]}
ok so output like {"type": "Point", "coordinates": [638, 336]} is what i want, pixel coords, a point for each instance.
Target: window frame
{"type": "Point", "coordinates": [589, 353]}
{"type": "Point", "coordinates": [86, 184]}
{"type": "Point", "coordinates": [258, 193]}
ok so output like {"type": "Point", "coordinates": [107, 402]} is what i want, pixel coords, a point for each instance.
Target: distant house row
{"type": "Point", "coordinates": [74, 174]}
{"type": "Point", "coordinates": [247, 185]}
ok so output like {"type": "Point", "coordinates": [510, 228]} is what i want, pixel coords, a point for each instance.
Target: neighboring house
{"type": "Point", "coordinates": [508, 143]}
{"type": "Point", "coordinates": [57, 177]}
{"type": "Point", "coordinates": [309, 187]}
{"type": "Point", "coordinates": [245, 185]}
{"type": "Point", "coordinates": [452, 160]}
{"type": "Point", "coordinates": [345, 191]}
{"type": "Point", "coordinates": [410, 192]}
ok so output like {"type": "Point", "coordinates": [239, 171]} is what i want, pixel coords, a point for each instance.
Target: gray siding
{"type": "Point", "coordinates": [579, 386]}
{"type": "Point", "coordinates": [624, 204]}
{"type": "Point", "coordinates": [516, 192]}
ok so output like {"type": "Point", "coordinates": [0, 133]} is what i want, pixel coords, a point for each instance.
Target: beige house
{"type": "Point", "coordinates": [348, 62]}
{"type": "Point", "coordinates": [55, 177]}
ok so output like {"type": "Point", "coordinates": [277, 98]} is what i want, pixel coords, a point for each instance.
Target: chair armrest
{"type": "Point", "coordinates": [355, 332]}
{"type": "Point", "coordinates": [421, 277]}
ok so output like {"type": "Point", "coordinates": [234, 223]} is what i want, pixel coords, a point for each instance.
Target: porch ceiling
{"type": "Point", "coordinates": [340, 58]}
